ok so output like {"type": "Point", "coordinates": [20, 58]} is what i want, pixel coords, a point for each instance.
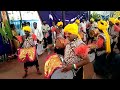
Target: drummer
{"type": "Point", "coordinates": [114, 31]}
{"type": "Point", "coordinates": [77, 21]}
{"type": "Point", "coordinates": [92, 26]}
{"type": "Point", "coordinates": [103, 49]}
{"type": "Point", "coordinates": [29, 42]}
{"type": "Point", "coordinates": [72, 62]}
{"type": "Point", "coordinates": [59, 30]}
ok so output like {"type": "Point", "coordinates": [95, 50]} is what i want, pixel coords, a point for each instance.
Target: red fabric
{"type": "Point", "coordinates": [117, 28]}
{"type": "Point", "coordinates": [27, 58]}
{"type": "Point", "coordinates": [34, 37]}
{"type": "Point", "coordinates": [82, 50]}
{"type": "Point", "coordinates": [53, 29]}
{"type": "Point", "coordinates": [19, 38]}
{"type": "Point", "coordinates": [100, 42]}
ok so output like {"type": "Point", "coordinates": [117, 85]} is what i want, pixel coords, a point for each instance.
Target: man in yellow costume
{"type": "Point", "coordinates": [28, 42]}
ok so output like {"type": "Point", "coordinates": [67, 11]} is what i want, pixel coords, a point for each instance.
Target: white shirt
{"type": "Point", "coordinates": [38, 33]}
{"type": "Point", "coordinates": [83, 25]}
{"type": "Point", "coordinates": [45, 28]}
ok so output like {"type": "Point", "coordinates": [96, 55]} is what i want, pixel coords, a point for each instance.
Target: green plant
{"type": "Point", "coordinates": [94, 15]}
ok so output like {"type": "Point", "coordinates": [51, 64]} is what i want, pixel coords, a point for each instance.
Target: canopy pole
{"type": "Point", "coordinates": [63, 18]}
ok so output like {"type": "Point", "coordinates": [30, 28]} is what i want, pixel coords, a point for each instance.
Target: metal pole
{"type": "Point", "coordinates": [63, 18]}
{"type": "Point", "coordinates": [20, 19]}
{"type": "Point", "coordinates": [8, 17]}
{"type": "Point", "coordinates": [0, 16]}
{"type": "Point", "coordinates": [88, 15]}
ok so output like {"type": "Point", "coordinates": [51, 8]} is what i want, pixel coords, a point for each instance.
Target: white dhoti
{"type": "Point", "coordinates": [40, 49]}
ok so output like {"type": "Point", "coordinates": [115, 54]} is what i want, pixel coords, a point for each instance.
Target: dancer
{"type": "Point", "coordinates": [27, 43]}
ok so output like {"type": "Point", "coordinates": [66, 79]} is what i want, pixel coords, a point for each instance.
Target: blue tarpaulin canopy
{"type": "Point", "coordinates": [60, 16]}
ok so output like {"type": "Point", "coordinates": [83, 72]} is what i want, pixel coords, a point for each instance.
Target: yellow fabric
{"type": "Point", "coordinates": [77, 21]}
{"type": "Point", "coordinates": [60, 24]}
{"type": "Point", "coordinates": [117, 21]}
{"type": "Point", "coordinates": [30, 51]}
{"type": "Point", "coordinates": [73, 29]}
{"type": "Point", "coordinates": [112, 20]}
{"type": "Point", "coordinates": [92, 19]}
{"type": "Point", "coordinates": [27, 28]}
{"type": "Point", "coordinates": [103, 25]}
{"type": "Point", "coordinates": [51, 64]}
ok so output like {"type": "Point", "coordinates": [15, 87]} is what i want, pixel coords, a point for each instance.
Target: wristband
{"type": "Point", "coordinates": [75, 67]}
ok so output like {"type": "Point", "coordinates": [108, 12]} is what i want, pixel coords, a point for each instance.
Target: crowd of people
{"type": "Point", "coordinates": [74, 43]}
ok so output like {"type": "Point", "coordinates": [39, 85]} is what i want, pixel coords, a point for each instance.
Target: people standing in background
{"type": "Point", "coordinates": [53, 29]}
{"type": "Point", "coordinates": [83, 29]}
{"type": "Point", "coordinates": [112, 32]}
{"type": "Point", "coordinates": [45, 28]}
{"type": "Point", "coordinates": [116, 35]}
{"type": "Point", "coordinates": [15, 42]}
{"type": "Point", "coordinates": [59, 31]}
{"type": "Point", "coordinates": [28, 24]}
{"type": "Point", "coordinates": [91, 26]}
{"type": "Point", "coordinates": [21, 31]}
{"type": "Point", "coordinates": [39, 35]}
{"type": "Point", "coordinates": [77, 21]}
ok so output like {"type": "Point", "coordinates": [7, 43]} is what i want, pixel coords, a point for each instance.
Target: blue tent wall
{"type": "Point", "coordinates": [44, 15]}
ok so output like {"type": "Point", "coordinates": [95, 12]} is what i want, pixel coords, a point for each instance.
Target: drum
{"type": "Point", "coordinates": [52, 63]}
{"type": "Point", "coordinates": [61, 42]}
{"type": "Point", "coordinates": [94, 33]}
{"type": "Point", "coordinates": [53, 67]}
{"type": "Point", "coordinates": [62, 75]}
{"type": "Point", "coordinates": [25, 54]}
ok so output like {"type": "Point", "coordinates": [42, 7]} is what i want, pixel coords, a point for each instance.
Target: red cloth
{"type": "Point", "coordinates": [34, 37]}
{"type": "Point", "coordinates": [82, 50]}
{"type": "Point", "coordinates": [19, 38]}
{"type": "Point", "coordinates": [117, 28]}
{"type": "Point", "coordinates": [100, 42]}
{"type": "Point", "coordinates": [53, 29]}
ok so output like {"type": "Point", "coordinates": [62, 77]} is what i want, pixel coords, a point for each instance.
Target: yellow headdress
{"type": "Point", "coordinates": [92, 19]}
{"type": "Point", "coordinates": [73, 29]}
{"type": "Point", "coordinates": [77, 21]}
{"type": "Point", "coordinates": [60, 24]}
{"type": "Point", "coordinates": [27, 28]}
{"type": "Point", "coordinates": [103, 25]}
{"type": "Point", "coordinates": [112, 20]}
{"type": "Point", "coordinates": [117, 21]}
